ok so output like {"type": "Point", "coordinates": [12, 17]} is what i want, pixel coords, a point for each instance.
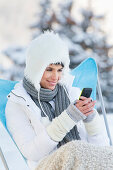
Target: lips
{"type": "Point", "coordinates": [52, 83]}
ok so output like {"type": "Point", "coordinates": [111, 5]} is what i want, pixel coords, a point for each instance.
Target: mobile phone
{"type": "Point", "coordinates": [86, 92]}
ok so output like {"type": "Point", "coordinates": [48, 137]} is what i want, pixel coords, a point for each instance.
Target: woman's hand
{"type": "Point", "coordinates": [85, 105]}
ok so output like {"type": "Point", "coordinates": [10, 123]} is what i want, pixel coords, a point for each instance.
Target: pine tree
{"type": "Point", "coordinates": [15, 55]}
{"type": "Point", "coordinates": [84, 38]}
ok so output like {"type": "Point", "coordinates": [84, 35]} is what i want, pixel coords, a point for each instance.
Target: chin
{"type": "Point", "coordinates": [52, 88]}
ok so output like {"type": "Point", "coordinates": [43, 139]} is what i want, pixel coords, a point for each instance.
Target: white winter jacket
{"type": "Point", "coordinates": [28, 128]}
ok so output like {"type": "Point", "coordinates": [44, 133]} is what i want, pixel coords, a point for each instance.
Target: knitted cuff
{"type": "Point", "coordinates": [75, 113]}
{"type": "Point", "coordinates": [90, 117]}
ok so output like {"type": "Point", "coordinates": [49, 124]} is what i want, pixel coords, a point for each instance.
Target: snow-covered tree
{"type": "Point", "coordinates": [45, 17]}
{"type": "Point", "coordinates": [85, 38]}
{"type": "Point", "coordinates": [16, 63]}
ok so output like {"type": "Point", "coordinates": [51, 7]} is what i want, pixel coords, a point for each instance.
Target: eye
{"type": "Point", "coordinates": [48, 69]}
{"type": "Point", "coordinates": [60, 70]}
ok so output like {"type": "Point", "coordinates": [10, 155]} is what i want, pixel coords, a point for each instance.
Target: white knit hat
{"type": "Point", "coordinates": [46, 49]}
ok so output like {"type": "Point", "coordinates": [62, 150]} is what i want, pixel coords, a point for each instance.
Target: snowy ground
{"type": "Point", "coordinates": [1, 165]}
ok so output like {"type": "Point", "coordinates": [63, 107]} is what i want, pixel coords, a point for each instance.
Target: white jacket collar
{"type": "Point", "coordinates": [19, 90]}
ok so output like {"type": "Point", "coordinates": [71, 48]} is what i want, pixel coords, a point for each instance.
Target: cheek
{"type": "Point", "coordinates": [46, 75]}
{"type": "Point", "coordinates": [60, 76]}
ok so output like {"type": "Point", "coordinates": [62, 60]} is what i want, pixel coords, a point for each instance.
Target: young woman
{"type": "Point", "coordinates": [43, 111]}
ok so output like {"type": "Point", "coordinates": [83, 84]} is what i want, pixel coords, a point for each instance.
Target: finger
{"type": "Point", "coordinates": [89, 105]}
{"type": "Point", "coordinates": [82, 98]}
{"type": "Point", "coordinates": [87, 114]}
{"type": "Point", "coordinates": [88, 110]}
{"type": "Point", "coordinates": [91, 99]}
{"type": "Point", "coordinates": [77, 101]}
{"type": "Point", "coordinates": [84, 102]}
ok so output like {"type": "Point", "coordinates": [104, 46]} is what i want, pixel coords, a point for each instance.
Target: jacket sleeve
{"type": "Point", "coordinates": [99, 139]}
{"type": "Point", "coordinates": [34, 146]}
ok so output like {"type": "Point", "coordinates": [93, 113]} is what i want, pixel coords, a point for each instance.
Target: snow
{"type": "Point", "coordinates": [76, 38]}
{"type": "Point", "coordinates": [110, 123]}
{"type": "Point", "coordinates": [85, 38]}
{"type": "Point", "coordinates": [1, 165]}
{"type": "Point", "coordinates": [16, 54]}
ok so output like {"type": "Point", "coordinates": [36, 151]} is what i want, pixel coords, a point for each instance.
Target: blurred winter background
{"type": "Point", "coordinates": [86, 26]}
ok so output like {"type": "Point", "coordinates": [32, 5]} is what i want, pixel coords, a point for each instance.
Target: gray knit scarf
{"type": "Point", "coordinates": [59, 96]}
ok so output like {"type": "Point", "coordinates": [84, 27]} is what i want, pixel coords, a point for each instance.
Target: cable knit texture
{"type": "Point", "coordinates": [72, 109]}
{"type": "Point", "coordinates": [75, 113]}
{"type": "Point", "coordinates": [78, 155]}
{"type": "Point", "coordinates": [90, 117]}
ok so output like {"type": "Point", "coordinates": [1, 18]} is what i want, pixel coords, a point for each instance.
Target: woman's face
{"type": "Point", "coordinates": [51, 76]}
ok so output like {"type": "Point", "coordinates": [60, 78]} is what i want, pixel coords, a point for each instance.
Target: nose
{"type": "Point", "coordinates": [54, 76]}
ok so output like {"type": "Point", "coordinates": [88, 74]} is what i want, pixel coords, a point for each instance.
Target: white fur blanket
{"type": "Point", "coordinates": [78, 155]}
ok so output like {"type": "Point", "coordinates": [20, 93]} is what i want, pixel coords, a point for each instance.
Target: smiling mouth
{"type": "Point", "coordinates": [52, 83]}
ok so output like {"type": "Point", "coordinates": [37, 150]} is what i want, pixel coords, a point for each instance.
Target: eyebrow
{"type": "Point", "coordinates": [53, 68]}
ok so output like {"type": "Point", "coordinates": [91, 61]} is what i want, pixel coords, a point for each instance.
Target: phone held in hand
{"type": "Point", "coordinates": [86, 92]}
